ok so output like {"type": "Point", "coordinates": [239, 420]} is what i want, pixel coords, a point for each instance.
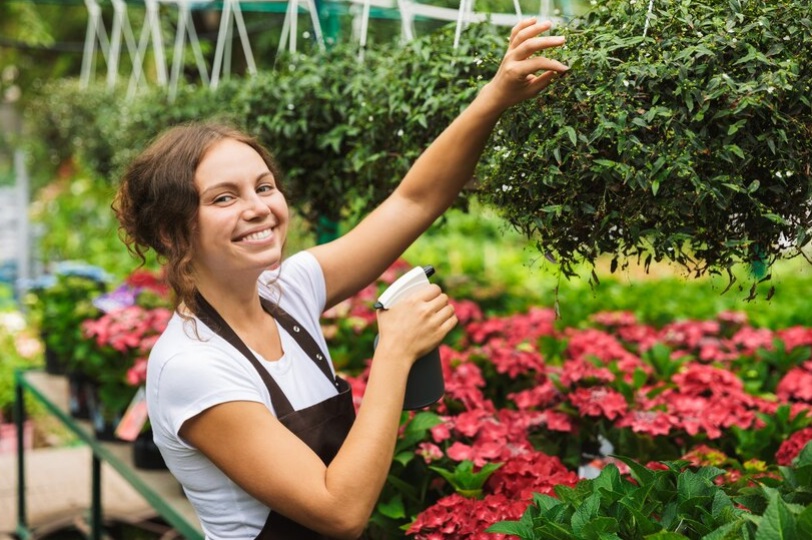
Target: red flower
{"type": "Point", "coordinates": [540, 396]}
{"type": "Point", "coordinates": [466, 311]}
{"type": "Point", "coordinates": [649, 422]}
{"type": "Point", "coordinates": [557, 421]}
{"type": "Point", "coordinates": [530, 472]}
{"type": "Point", "coordinates": [796, 336]}
{"type": "Point", "coordinates": [429, 452]}
{"type": "Point", "coordinates": [581, 369]}
{"type": "Point", "coordinates": [796, 384]}
{"type": "Point", "coordinates": [790, 448]}
{"type": "Point", "coordinates": [461, 518]}
{"type": "Point", "coordinates": [599, 401]}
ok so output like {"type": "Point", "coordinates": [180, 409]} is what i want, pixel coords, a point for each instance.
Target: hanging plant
{"type": "Point", "coordinates": [682, 133]}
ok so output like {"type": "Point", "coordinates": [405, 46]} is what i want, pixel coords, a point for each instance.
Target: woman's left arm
{"type": "Point", "coordinates": [357, 258]}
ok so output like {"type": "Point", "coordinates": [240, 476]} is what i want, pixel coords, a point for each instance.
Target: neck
{"type": "Point", "coordinates": [237, 301]}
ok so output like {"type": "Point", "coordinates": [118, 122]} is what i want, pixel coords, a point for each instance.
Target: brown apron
{"type": "Point", "coordinates": [323, 426]}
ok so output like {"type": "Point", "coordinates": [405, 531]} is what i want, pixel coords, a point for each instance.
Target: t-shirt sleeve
{"type": "Point", "coordinates": [197, 379]}
{"type": "Point", "coordinates": [300, 283]}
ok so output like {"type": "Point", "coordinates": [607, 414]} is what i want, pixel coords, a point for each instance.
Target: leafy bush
{"type": "Point", "coordinates": [19, 349]}
{"type": "Point", "coordinates": [57, 305]}
{"type": "Point", "coordinates": [672, 503]}
{"type": "Point", "coordinates": [691, 142]}
{"type": "Point", "coordinates": [67, 123]}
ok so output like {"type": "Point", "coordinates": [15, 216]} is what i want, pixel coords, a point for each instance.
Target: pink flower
{"type": "Point", "coordinates": [791, 447]}
{"type": "Point", "coordinates": [599, 401]}
{"type": "Point", "coordinates": [461, 518]}
{"type": "Point", "coordinates": [137, 374]}
{"type": "Point", "coordinates": [796, 385]}
{"type": "Point", "coordinates": [557, 421]}
{"type": "Point", "coordinates": [649, 422]}
{"type": "Point", "coordinates": [466, 311]}
{"type": "Point", "coordinates": [581, 369]}
{"type": "Point", "coordinates": [796, 336]}
{"type": "Point", "coordinates": [530, 472]}
{"type": "Point", "coordinates": [540, 396]}
{"type": "Point", "coordinates": [429, 452]}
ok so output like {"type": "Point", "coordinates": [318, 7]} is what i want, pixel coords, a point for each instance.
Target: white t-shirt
{"type": "Point", "coordinates": [187, 375]}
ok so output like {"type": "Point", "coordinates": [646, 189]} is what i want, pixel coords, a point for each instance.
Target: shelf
{"type": "Point", "coordinates": [159, 488]}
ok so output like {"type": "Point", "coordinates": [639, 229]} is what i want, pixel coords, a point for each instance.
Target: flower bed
{"type": "Point", "coordinates": [529, 406]}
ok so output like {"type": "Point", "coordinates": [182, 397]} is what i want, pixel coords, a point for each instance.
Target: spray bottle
{"type": "Point", "coordinates": [425, 384]}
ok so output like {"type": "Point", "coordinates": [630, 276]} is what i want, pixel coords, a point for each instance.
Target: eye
{"type": "Point", "coordinates": [265, 188]}
{"type": "Point", "coordinates": [222, 199]}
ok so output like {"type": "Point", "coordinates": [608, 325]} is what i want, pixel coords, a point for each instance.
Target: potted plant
{"type": "Point", "coordinates": [57, 304]}
{"type": "Point", "coordinates": [18, 350]}
{"type": "Point", "coordinates": [118, 343]}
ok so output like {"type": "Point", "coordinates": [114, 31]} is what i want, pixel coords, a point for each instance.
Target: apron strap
{"type": "Point", "coordinates": [213, 320]}
{"type": "Point", "coordinates": [280, 402]}
{"type": "Point", "coordinates": [302, 338]}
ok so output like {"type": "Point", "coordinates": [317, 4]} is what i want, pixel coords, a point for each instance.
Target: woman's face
{"type": "Point", "coordinates": [242, 219]}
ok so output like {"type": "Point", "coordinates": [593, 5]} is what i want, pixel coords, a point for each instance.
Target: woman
{"type": "Point", "coordinates": [242, 398]}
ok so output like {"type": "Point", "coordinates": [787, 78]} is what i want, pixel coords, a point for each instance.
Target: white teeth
{"type": "Point", "coordinates": [261, 235]}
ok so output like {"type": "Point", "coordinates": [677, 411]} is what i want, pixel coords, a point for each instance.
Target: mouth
{"type": "Point", "coordinates": [256, 236]}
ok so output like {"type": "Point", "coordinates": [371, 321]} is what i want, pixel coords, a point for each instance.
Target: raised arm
{"type": "Point", "coordinates": [438, 175]}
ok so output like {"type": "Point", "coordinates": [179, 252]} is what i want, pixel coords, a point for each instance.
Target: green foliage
{"type": "Point", "coordinates": [690, 143]}
{"type": "Point", "coordinates": [70, 123]}
{"type": "Point", "coordinates": [478, 256]}
{"type": "Point", "coordinates": [762, 443]}
{"type": "Point", "coordinates": [673, 503]}
{"type": "Point", "coordinates": [15, 338]}
{"type": "Point", "coordinates": [57, 311]}
{"type": "Point", "coordinates": [142, 118]}
{"type": "Point", "coordinates": [465, 480]}
{"type": "Point", "coordinates": [74, 222]}
{"type": "Point", "coordinates": [345, 132]}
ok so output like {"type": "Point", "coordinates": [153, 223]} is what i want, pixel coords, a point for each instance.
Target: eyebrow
{"type": "Point", "coordinates": [233, 185]}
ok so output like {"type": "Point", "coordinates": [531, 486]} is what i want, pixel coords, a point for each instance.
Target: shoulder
{"type": "Point", "coordinates": [186, 375]}
{"type": "Point", "coordinates": [298, 283]}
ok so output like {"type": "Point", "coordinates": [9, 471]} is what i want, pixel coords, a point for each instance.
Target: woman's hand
{"type": "Point", "coordinates": [416, 324]}
{"type": "Point", "coordinates": [521, 75]}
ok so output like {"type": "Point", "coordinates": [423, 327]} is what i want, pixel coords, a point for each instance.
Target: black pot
{"type": "Point", "coordinates": [146, 454]}
{"type": "Point", "coordinates": [105, 421]}
{"type": "Point", "coordinates": [80, 395]}
{"type": "Point", "coordinates": [54, 363]}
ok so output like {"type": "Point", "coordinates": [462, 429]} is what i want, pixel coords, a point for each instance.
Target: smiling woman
{"type": "Point", "coordinates": [243, 399]}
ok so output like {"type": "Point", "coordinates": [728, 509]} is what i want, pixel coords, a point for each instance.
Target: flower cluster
{"type": "Point", "coordinates": [131, 319]}
{"type": "Point", "coordinates": [537, 403]}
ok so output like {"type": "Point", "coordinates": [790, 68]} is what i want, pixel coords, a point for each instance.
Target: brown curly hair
{"type": "Point", "coordinates": [157, 201]}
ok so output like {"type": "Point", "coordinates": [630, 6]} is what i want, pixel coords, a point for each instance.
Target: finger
{"type": "Point", "coordinates": [534, 45]}
{"type": "Point", "coordinates": [529, 31]}
{"type": "Point", "coordinates": [519, 26]}
{"type": "Point", "coordinates": [446, 312]}
{"type": "Point", "coordinates": [542, 63]}
{"type": "Point", "coordinates": [437, 304]}
{"type": "Point", "coordinates": [539, 83]}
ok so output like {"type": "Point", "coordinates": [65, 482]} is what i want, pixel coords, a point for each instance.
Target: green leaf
{"type": "Point", "coordinates": [665, 535]}
{"type": "Point", "coordinates": [778, 522]}
{"type": "Point", "coordinates": [573, 136]}
{"type": "Point", "coordinates": [393, 508]}
{"type": "Point", "coordinates": [585, 513]}
{"type": "Point", "coordinates": [642, 474]}
{"type": "Point", "coordinates": [464, 479]}
{"type": "Point", "coordinates": [805, 522]}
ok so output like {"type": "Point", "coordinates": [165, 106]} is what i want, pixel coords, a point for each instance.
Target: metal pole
{"type": "Point", "coordinates": [24, 245]}
{"type": "Point", "coordinates": [19, 420]}
{"type": "Point", "coordinates": [96, 512]}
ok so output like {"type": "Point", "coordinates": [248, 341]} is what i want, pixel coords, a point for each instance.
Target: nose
{"type": "Point", "coordinates": [255, 208]}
